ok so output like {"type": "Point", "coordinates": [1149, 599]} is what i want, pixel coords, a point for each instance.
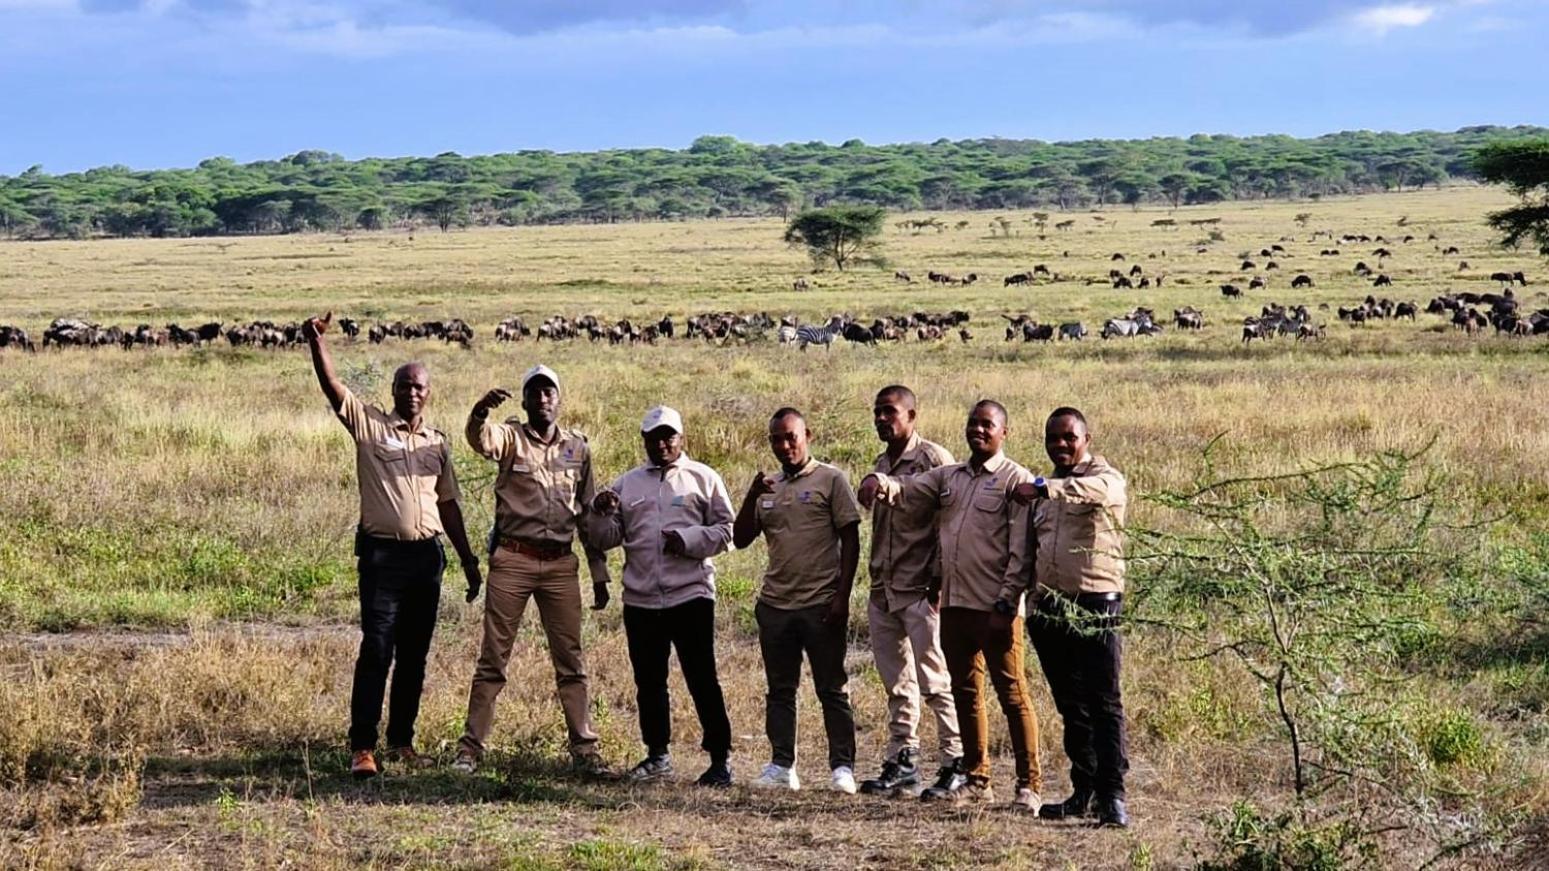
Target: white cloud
{"type": "Point", "coordinates": [1381, 19]}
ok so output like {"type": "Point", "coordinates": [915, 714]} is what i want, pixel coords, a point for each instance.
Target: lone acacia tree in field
{"type": "Point", "coordinates": [1524, 168]}
{"type": "Point", "coordinates": [836, 234]}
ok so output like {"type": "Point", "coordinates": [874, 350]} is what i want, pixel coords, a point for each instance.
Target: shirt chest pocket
{"type": "Point", "coordinates": [990, 501]}
{"type": "Point", "coordinates": [391, 458]}
{"type": "Point", "coordinates": [682, 509]}
{"type": "Point", "coordinates": [427, 461]}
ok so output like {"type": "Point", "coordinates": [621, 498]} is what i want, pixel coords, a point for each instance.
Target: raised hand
{"type": "Point", "coordinates": [492, 399]}
{"type": "Point", "coordinates": [311, 328]}
{"type": "Point", "coordinates": [762, 484]}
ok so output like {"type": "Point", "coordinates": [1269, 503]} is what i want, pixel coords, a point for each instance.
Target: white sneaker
{"type": "Point", "coordinates": [777, 777]}
{"type": "Point", "coordinates": [844, 780]}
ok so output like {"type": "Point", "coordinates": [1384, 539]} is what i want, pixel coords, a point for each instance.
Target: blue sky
{"type": "Point", "coordinates": [157, 83]}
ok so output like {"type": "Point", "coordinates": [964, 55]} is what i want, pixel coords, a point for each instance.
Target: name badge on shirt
{"type": "Point", "coordinates": [393, 443]}
{"type": "Point", "coordinates": [766, 503]}
{"type": "Point", "coordinates": [520, 467]}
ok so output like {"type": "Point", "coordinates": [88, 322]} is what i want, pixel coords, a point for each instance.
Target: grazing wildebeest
{"type": "Point", "coordinates": [801, 283]}
{"type": "Point", "coordinates": [1382, 281]}
{"type": "Point", "coordinates": [1230, 291]}
{"type": "Point", "coordinates": [1036, 332]}
{"type": "Point", "coordinates": [1188, 318]}
{"type": "Point", "coordinates": [900, 275]}
{"type": "Point", "coordinates": [16, 337]}
{"type": "Point", "coordinates": [1302, 280]}
{"type": "Point", "coordinates": [1072, 330]}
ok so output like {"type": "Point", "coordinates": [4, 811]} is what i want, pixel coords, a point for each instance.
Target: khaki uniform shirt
{"type": "Point", "coordinates": [801, 520]}
{"type": "Point", "coordinates": [541, 490]}
{"type": "Point", "coordinates": [983, 531]}
{"type": "Point", "coordinates": [403, 472]}
{"type": "Point", "coordinates": [686, 497]}
{"type": "Point", "coordinates": [1080, 530]}
{"type": "Point", "coordinates": [905, 561]}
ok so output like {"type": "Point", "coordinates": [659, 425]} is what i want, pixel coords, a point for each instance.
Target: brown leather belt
{"type": "Point", "coordinates": [536, 550]}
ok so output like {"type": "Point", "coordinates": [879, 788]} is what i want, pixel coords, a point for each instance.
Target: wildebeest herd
{"type": "Point", "coordinates": [1471, 312]}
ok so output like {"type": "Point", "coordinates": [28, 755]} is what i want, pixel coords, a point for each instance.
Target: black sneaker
{"type": "Point", "coordinates": [717, 775]}
{"type": "Point", "coordinates": [1111, 812]}
{"type": "Point", "coordinates": [900, 772]}
{"type": "Point", "coordinates": [1078, 805]}
{"type": "Point", "coordinates": [651, 768]}
{"type": "Point", "coordinates": [949, 782]}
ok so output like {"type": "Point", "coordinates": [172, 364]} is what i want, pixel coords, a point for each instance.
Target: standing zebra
{"type": "Point", "coordinates": [810, 335]}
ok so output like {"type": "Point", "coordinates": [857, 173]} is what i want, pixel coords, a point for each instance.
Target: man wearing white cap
{"type": "Point", "coordinates": [671, 514]}
{"type": "Point", "coordinates": [542, 492]}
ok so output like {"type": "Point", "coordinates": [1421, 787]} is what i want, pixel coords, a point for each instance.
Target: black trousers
{"type": "Point", "coordinates": [783, 636]}
{"type": "Point", "coordinates": [1080, 650]}
{"type": "Point", "coordinates": [689, 628]}
{"type": "Point", "coordinates": [400, 590]}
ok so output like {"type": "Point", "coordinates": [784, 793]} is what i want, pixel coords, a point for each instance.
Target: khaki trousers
{"type": "Point", "coordinates": [971, 650]}
{"type": "Point", "coordinates": [907, 646]}
{"type": "Point", "coordinates": [555, 585]}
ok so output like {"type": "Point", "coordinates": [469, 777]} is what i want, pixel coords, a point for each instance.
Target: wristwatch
{"type": "Point", "coordinates": [1040, 483]}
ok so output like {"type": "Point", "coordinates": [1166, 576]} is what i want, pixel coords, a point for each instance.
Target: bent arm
{"type": "Point", "coordinates": [491, 440]}
{"type": "Point", "coordinates": [715, 535]}
{"type": "Point", "coordinates": [746, 529]}
{"type": "Point", "coordinates": [1105, 488]}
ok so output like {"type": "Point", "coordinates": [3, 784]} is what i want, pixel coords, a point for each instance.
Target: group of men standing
{"type": "Point", "coordinates": [962, 553]}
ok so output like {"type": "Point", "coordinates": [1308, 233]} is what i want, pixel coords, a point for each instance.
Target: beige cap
{"type": "Point", "coordinates": [540, 371]}
{"type": "Point", "coordinates": [661, 416]}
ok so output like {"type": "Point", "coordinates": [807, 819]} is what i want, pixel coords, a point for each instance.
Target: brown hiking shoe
{"type": "Point", "coordinates": [591, 765]}
{"type": "Point", "coordinates": [363, 764]}
{"type": "Point", "coordinates": [408, 757]}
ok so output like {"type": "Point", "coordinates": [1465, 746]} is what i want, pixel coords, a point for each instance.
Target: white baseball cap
{"type": "Point", "coordinates": [540, 371]}
{"type": "Point", "coordinates": [661, 416]}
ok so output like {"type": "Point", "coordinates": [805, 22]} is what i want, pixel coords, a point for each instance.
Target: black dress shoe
{"type": "Point", "coordinates": [717, 775]}
{"type": "Point", "coordinates": [1078, 805]}
{"type": "Point", "coordinates": [900, 772]}
{"type": "Point", "coordinates": [1111, 812]}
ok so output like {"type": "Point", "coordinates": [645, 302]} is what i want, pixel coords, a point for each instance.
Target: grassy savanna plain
{"type": "Point", "coordinates": [177, 594]}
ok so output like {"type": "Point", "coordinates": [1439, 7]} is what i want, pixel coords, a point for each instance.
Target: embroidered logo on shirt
{"type": "Point", "coordinates": [990, 484]}
{"type": "Point", "coordinates": [806, 496]}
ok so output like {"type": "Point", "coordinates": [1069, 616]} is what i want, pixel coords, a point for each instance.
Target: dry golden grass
{"type": "Point", "coordinates": [165, 490]}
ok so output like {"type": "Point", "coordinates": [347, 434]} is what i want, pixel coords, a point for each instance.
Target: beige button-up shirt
{"type": "Point", "coordinates": [403, 472]}
{"type": "Point", "coordinates": [904, 555]}
{"type": "Point", "coordinates": [801, 520]}
{"type": "Point", "coordinates": [1079, 530]}
{"type": "Point", "coordinates": [686, 497]}
{"type": "Point", "coordinates": [982, 530]}
{"type": "Point", "coordinates": [541, 490]}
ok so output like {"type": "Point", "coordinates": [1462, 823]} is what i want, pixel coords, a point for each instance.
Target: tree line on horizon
{"type": "Point", "coordinates": [719, 176]}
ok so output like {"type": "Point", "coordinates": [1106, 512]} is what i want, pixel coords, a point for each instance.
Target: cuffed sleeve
{"type": "Point", "coordinates": [714, 537]}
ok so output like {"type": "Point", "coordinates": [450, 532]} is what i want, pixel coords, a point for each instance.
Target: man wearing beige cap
{"type": "Point", "coordinates": [542, 492]}
{"type": "Point", "coordinates": [671, 514]}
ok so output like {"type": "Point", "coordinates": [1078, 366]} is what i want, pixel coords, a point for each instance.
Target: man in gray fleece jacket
{"type": "Point", "coordinates": [671, 514]}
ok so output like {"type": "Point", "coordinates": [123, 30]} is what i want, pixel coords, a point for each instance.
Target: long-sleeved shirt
{"type": "Point", "coordinates": [1079, 530]}
{"type": "Point", "coordinates": [404, 473]}
{"type": "Point", "coordinates": [686, 497]}
{"type": "Point", "coordinates": [542, 489]}
{"type": "Point", "coordinates": [982, 530]}
{"type": "Point", "coordinates": [904, 554]}
{"type": "Point", "coordinates": [801, 520]}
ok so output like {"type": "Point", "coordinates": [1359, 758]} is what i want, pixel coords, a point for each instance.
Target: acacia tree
{"type": "Point", "coordinates": [836, 234]}
{"type": "Point", "coordinates": [1524, 168]}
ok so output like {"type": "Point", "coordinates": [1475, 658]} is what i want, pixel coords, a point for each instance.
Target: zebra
{"type": "Point", "coordinates": [810, 335]}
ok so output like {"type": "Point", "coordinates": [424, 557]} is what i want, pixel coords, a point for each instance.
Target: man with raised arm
{"type": "Point", "coordinates": [902, 612]}
{"type": "Point", "coordinates": [672, 515]}
{"type": "Point", "coordinates": [1078, 521]}
{"type": "Point", "coordinates": [542, 490]}
{"type": "Point", "coordinates": [810, 521]}
{"type": "Point", "coordinates": [408, 498]}
{"type": "Point", "coordinates": [984, 569]}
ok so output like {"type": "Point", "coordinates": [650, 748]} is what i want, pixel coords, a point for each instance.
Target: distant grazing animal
{"type": "Point", "coordinates": [903, 276]}
{"type": "Point", "coordinates": [801, 283]}
{"type": "Point", "coordinates": [811, 335]}
{"type": "Point", "coordinates": [1300, 281]}
{"type": "Point", "coordinates": [1231, 291]}
{"type": "Point", "coordinates": [1382, 281]}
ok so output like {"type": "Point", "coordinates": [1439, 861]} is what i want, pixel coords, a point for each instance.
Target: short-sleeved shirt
{"type": "Point", "coordinates": [542, 489]}
{"type": "Point", "coordinates": [801, 520]}
{"type": "Point", "coordinates": [905, 561]}
{"type": "Point", "coordinates": [404, 473]}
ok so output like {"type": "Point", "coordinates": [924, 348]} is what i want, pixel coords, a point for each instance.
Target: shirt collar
{"type": "Point", "coordinates": [399, 423]}
{"type": "Point", "coordinates": [991, 466]}
{"type": "Point", "coordinates": [911, 451]}
{"type": "Point", "coordinates": [532, 435]}
{"type": "Point", "coordinates": [675, 464]}
{"type": "Point", "coordinates": [804, 471]}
